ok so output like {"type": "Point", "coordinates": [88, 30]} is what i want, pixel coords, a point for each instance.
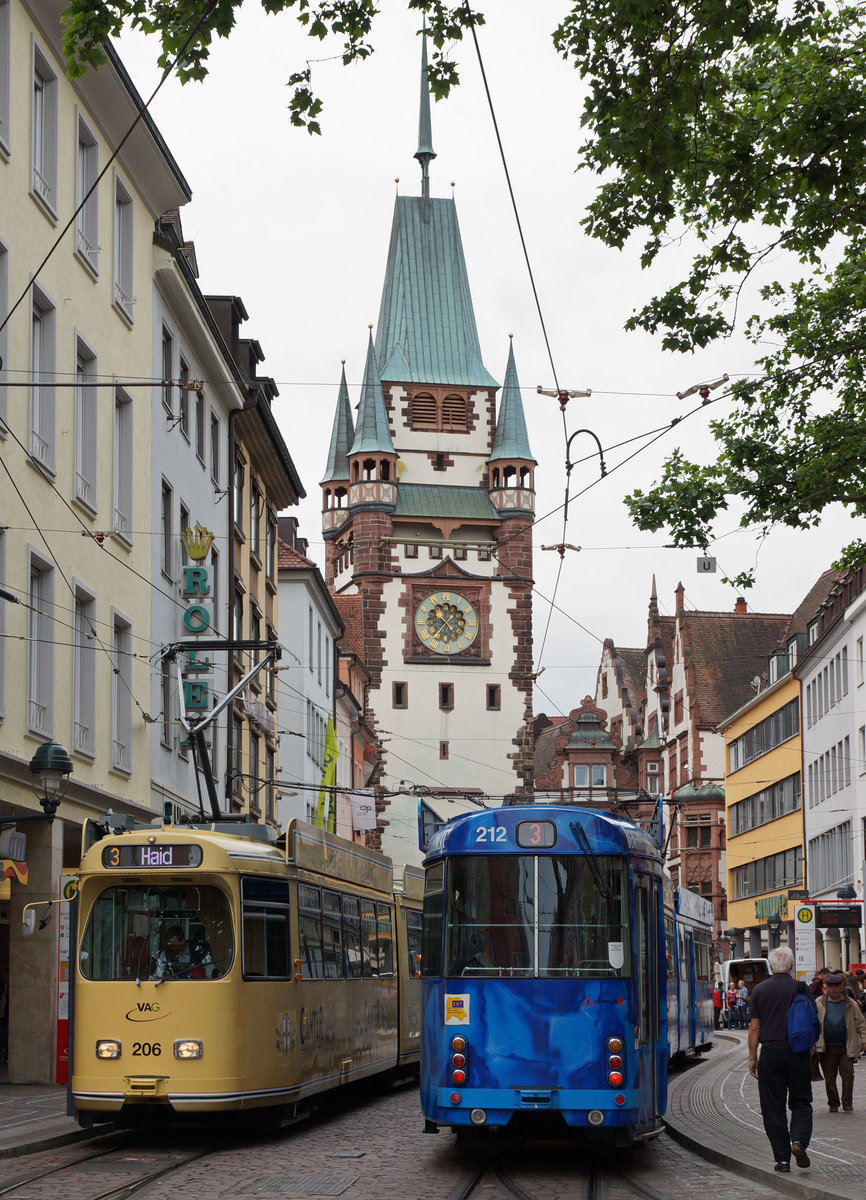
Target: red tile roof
{"type": "Point", "coordinates": [289, 557]}
{"type": "Point", "coordinates": [728, 650]}
{"type": "Point", "coordinates": [349, 608]}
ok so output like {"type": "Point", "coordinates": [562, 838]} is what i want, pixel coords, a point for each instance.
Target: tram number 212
{"type": "Point", "coordinates": [485, 834]}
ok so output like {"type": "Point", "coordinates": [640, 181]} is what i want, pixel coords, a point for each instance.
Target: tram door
{"type": "Point", "coordinates": [646, 914]}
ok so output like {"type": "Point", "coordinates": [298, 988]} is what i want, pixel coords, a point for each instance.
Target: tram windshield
{"type": "Point", "coordinates": [542, 916]}
{"type": "Point", "coordinates": [158, 931]}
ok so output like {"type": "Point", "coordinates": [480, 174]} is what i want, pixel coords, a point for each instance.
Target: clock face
{"type": "Point", "coordinates": [446, 622]}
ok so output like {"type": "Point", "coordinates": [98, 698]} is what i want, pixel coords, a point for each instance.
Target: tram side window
{"type": "Point", "coordinates": [310, 930]}
{"type": "Point", "coordinates": [703, 955]}
{"type": "Point", "coordinates": [669, 945]}
{"type": "Point", "coordinates": [265, 905]}
{"type": "Point", "coordinates": [332, 942]}
{"type": "Point", "coordinates": [414, 923]}
{"type": "Point", "coordinates": [385, 938]}
{"type": "Point", "coordinates": [369, 940]}
{"type": "Point", "coordinates": [434, 907]}
{"type": "Point", "coordinates": [352, 937]}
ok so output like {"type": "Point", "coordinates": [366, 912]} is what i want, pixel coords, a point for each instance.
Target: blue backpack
{"type": "Point", "coordinates": [803, 1024]}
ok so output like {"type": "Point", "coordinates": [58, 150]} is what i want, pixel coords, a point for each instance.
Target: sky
{"type": "Point", "coordinates": [299, 225]}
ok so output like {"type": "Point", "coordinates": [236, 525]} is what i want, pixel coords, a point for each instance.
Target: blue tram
{"type": "Point", "coordinates": [688, 953]}
{"type": "Point", "coordinates": [543, 974]}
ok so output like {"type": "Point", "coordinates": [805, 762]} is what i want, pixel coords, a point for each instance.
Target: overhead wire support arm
{"type": "Point", "coordinates": [569, 464]}
{"type": "Point", "coordinates": [196, 731]}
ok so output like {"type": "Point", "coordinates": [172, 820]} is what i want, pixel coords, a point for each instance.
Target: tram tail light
{"type": "Point", "coordinates": [459, 1059]}
{"type": "Point", "coordinates": [615, 1063]}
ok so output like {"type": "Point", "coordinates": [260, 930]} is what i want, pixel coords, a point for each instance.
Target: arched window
{"type": "Point", "coordinates": [355, 471]}
{"type": "Point", "coordinates": [525, 477]}
{"type": "Point", "coordinates": [384, 469]}
{"type": "Point", "coordinates": [454, 412]}
{"type": "Point", "coordinates": [341, 496]}
{"type": "Point", "coordinates": [327, 497]}
{"type": "Point", "coordinates": [369, 468]}
{"type": "Point", "coordinates": [508, 475]}
{"type": "Point", "coordinates": [423, 411]}
{"type": "Point", "coordinates": [496, 477]}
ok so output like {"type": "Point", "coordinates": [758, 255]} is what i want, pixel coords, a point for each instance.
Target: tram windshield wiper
{"type": "Point", "coordinates": [597, 874]}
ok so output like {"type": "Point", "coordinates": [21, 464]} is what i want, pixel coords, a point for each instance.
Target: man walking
{"type": "Point", "coordinates": [843, 1033]}
{"type": "Point", "coordinates": [783, 1075]}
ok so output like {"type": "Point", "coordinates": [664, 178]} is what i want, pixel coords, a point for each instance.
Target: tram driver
{"type": "Point", "coordinates": [179, 958]}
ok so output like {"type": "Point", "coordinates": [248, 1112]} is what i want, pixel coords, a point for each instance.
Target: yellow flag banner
{"type": "Point", "coordinates": [326, 809]}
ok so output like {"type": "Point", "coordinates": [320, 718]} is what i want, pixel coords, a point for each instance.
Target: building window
{"type": "Point", "coordinates": [121, 701]}
{"type": "Point", "coordinates": [270, 784]}
{"type": "Point", "coordinates": [42, 360]}
{"type": "Point", "coordinates": [183, 399]}
{"type": "Point", "coordinates": [40, 648]}
{"type": "Point", "coordinates": [4, 304]}
{"type": "Point", "coordinates": [238, 493]}
{"type": "Point", "coordinates": [484, 556]}
{"type": "Point", "coordinates": [447, 414]}
{"type": "Point", "coordinates": [764, 736]}
{"type": "Point", "coordinates": [678, 708]}
{"type": "Point", "coordinates": [123, 232]}
{"type": "Point", "coordinates": [271, 549]}
{"type": "Point", "coordinates": [443, 749]}
{"type": "Point", "coordinates": [410, 551]}
{"type": "Point", "coordinates": [238, 619]}
{"type": "Point", "coordinates": [400, 695]}
{"type": "Point", "coordinates": [44, 184]}
{"type": "Point", "coordinates": [87, 221]}
{"type": "Point", "coordinates": [215, 587]}
{"type": "Point", "coordinates": [5, 51]}
{"type": "Point", "coordinates": [319, 652]}
{"type": "Point", "coordinates": [255, 521]}
{"type": "Point", "coordinates": [215, 450]}
{"type": "Point", "coordinates": [590, 775]}
{"type": "Point", "coordinates": [84, 675]}
{"type": "Point", "coordinates": [199, 426]}
{"type": "Point", "coordinates": [236, 766]}
{"type": "Point", "coordinates": [167, 368]}
{"type": "Point", "coordinates": [494, 697]}
{"type": "Point", "coordinates": [166, 531]}
{"type": "Point", "coordinates": [435, 551]}
{"type": "Point", "coordinates": [122, 486]}
{"type": "Point", "coordinates": [253, 779]}
{"type": "Point", "coordinates": [446, 696]}
{"type": "Point", "coordinates": [86, 436]}
{"type": "Point", "coordinates": [460, 553]}
{"type": "Point", "coordinates": [310, 662]}
{"type": "Point", "coordinates": [165, 691]}
{"type": "Point", "coordinates": [183, 532]}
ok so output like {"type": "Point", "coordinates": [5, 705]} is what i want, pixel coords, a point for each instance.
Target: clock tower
{"type": "Point", "coordinates": [428, 505]}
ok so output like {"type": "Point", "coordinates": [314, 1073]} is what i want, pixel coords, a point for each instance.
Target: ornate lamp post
{"type": "Point", "coordinates": [846, 892]}
{"type": "Point", "coordinates": [51, 767]}
{"type": "Point", "coordinates": [774, 927]}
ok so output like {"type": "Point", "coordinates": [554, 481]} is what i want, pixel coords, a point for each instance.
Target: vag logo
{"type": "Point", "coordinates": [145, 1011]}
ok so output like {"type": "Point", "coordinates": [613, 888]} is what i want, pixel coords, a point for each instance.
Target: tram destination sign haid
{"type": "Point", "coordinates": [150, 855]}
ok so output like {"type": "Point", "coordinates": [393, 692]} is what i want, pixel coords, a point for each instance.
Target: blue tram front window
{"type": "Point", "coordinates": [162, 931]}
{"type": "Point", "coordinates": [522, 916]}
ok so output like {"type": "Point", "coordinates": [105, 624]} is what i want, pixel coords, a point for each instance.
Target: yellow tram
{"type": "Point", "coordinates": [220, 969]}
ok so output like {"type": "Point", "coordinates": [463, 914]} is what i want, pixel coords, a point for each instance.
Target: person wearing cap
{"type": "Point", "coordinates": [783, 1074]}
{"type": "Point", "coordinates": [843, 1034]}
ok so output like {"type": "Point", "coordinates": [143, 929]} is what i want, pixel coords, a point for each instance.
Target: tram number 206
{"type": "Point", "coordinates": [147, 1049]}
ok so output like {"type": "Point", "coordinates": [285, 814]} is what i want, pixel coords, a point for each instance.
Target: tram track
{"type": "Point", "coordinates": [73, 1181]}
{"type": "Point", "coordinates": [599, 1182]}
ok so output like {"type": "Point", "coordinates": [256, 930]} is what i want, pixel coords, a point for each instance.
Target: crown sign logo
{"type": "Point", "coordinates": [198, 542]}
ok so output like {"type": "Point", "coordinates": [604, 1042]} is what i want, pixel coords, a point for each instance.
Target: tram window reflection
{"type": "Point", "coordinates": [352, 937]}
{"type": "Point", "coordinates": [127, 930]}
{"type": "Point", "coordinates": [384, 927]}
{"type": "Point", "coordinates": [310, 929]}
{"type": "Point", "coordinates": [266, 929]}
{"type": "Point", "coordinates": [499, 908]}
{"type": "Point", "coordinates": [332, 943]}
{"type": "Point", "coordinates": [369, 940]}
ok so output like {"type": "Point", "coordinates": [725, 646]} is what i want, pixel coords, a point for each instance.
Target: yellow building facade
{"type": "Point", "coordinates": [764, 816]}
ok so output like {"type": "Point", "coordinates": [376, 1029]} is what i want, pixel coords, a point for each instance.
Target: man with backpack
{"type": "Point", "coordinates": [843, 1032]}
{"type": "Point", "coordinates": [783, 1074]}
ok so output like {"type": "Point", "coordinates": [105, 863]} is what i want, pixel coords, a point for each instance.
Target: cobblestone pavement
{"type": "Point", "coordinates": [378, 1150]}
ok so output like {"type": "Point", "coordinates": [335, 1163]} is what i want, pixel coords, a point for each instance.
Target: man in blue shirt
{"type": "Point", "coordinates": [783, 1075]}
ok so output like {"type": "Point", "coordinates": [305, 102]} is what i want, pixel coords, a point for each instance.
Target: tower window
{"type": "Point", "coordinates": [446, 695]}
{"type": "Point", "coordinates": [400, 695]}
{"type": "Point", "coordinates": [443, 749]}
{"type": "Point", "coordinates": [439, 462]}
{"type": "Point", "coordinates": [494, 696]}
{"type": "Point", "coordinates": [435, 551]}
{"type": "Point", "coordinates": [410, 551]}
{"type": "Point", "coordinates": [441, 414]}
{"type": "Point", "coordinates": [460, 553]}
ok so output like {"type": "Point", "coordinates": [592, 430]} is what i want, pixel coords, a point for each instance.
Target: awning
{"type": "Point", "coordinates": [9, 870]}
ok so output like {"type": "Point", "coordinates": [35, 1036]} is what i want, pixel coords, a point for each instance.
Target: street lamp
{"type": "Point", "coordinates": [846, 892]}
{"type": "Point", "coordinates": [774, 926]}
{"type": "Point", "coordinates": [51, 767]}
{"type": "Point", "coordinates": [732, 935]}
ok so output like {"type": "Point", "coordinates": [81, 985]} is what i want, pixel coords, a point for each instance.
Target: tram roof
{"type": "Point", "coordinates": [604, 832]}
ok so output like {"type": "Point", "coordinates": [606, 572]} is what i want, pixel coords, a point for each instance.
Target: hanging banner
{"type": "Point", "coordinates": [363, 810]}
{"type": "Point", "coordinates": [326, 809]}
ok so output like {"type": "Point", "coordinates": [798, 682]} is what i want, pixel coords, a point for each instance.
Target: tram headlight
{"type": "Point", "coordinates": [595, 1117]}
{"type": "Point", "coordinates": [108, 1048]}
{"type": "Point", "coordinates": [478, 1116]}
{"type": "Point", "coordinates": [188, 1048]}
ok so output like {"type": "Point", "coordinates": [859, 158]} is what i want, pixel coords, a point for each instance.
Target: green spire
{"type": "Point", "coordinates": [342, 435]}
{"type": "Point", "coordinates": [425, 151]}
{"type": "Point", "coordinates": [511, 439]}
{"type": "Point", "coordinates": [372, 434]}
